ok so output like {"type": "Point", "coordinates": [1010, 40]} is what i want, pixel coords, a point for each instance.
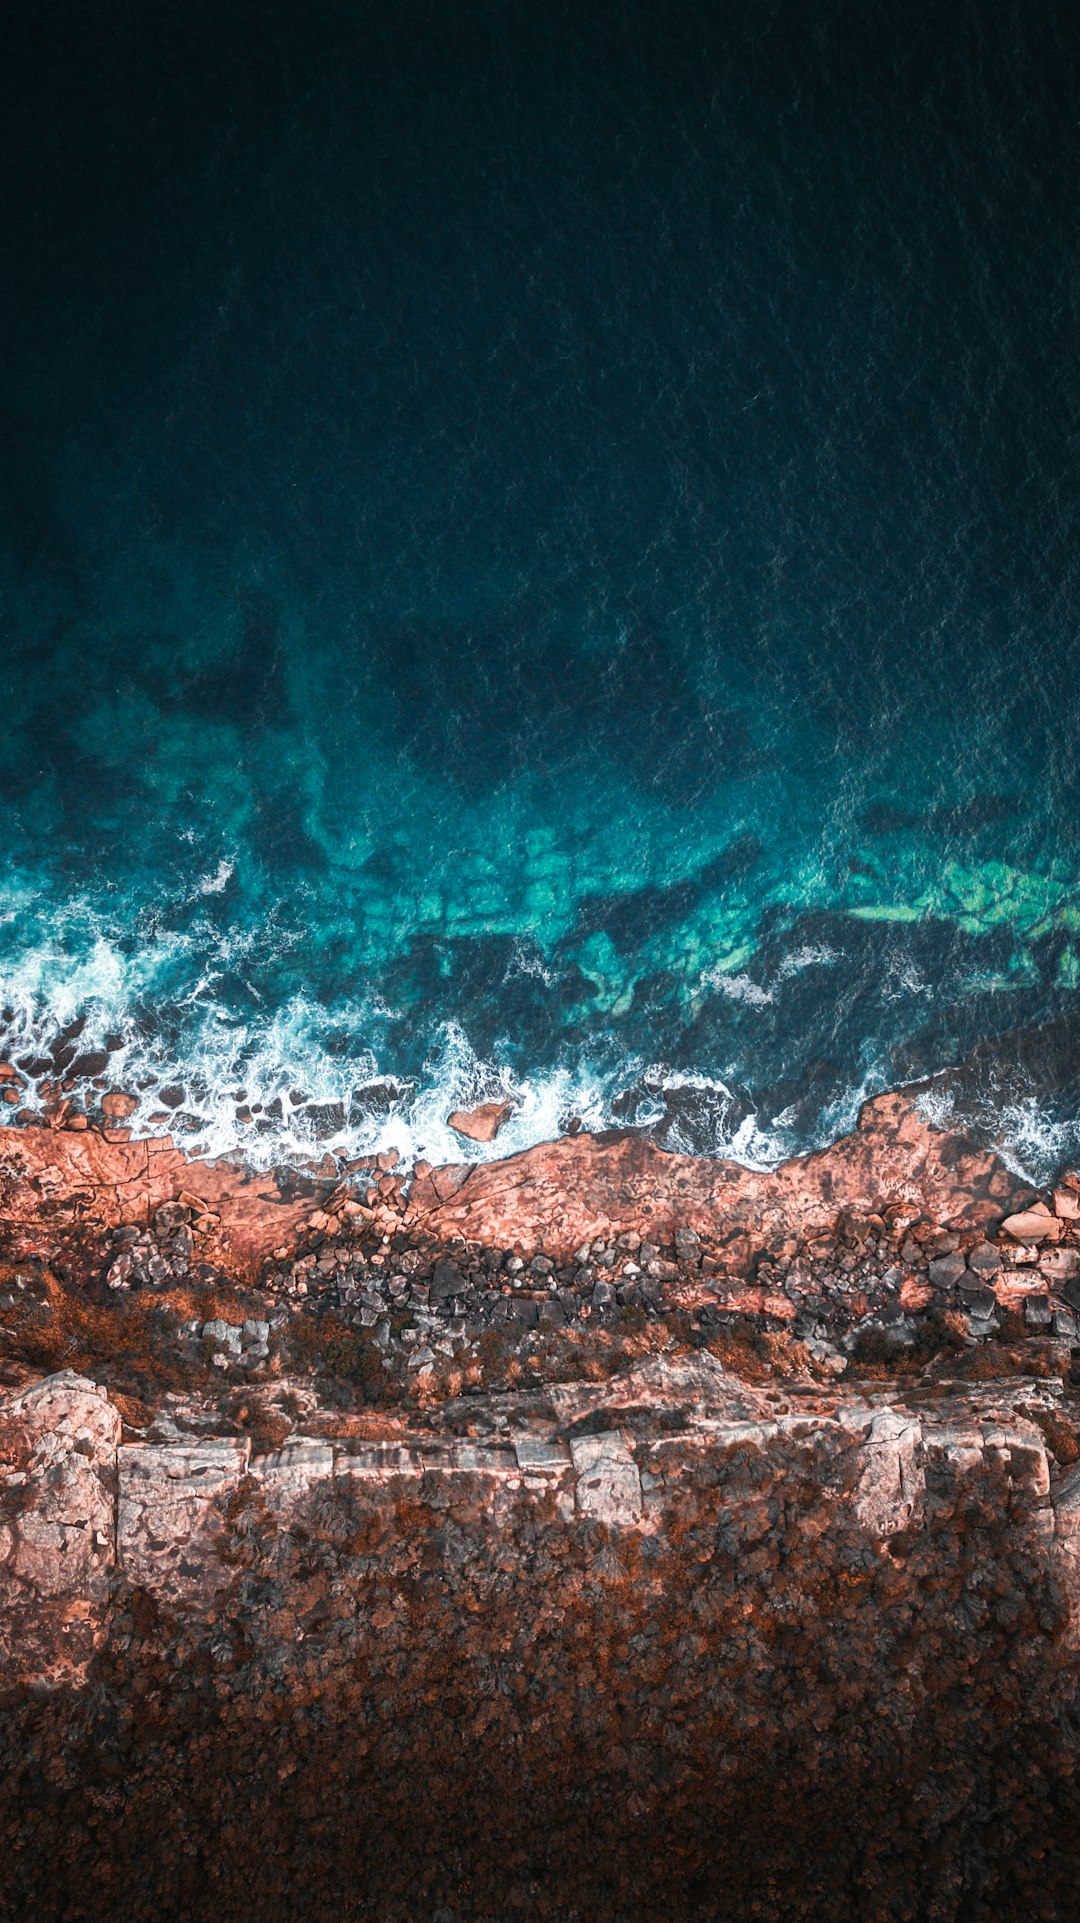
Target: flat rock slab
{"type": "Point", "coordinates": [608, 1482]}
{"type": "Point", "coordinates": [56, 1186]}
{"type": "Point", "coordinates": [562, 1194]}
{"type": "Point", "coordinates": [170, 1513]}
{"type": "Point", "coordinates": [480, 1124]}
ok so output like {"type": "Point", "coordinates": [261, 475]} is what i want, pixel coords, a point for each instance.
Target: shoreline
{"type": "Point", "coordinates": [886, 1248]}
{"type": "Point", "coordinates": [471, 1577]}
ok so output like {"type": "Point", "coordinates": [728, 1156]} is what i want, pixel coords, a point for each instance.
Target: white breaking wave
{"type": "Point", "coordinates": [274, 1085]}
{"type": "Point", "coordinates": [811, 955]}
{"type": "Point", "coordinates": [1033, 1146]}
{"type": "Point", "coordinates": [216, 883]}
{"type": "Point", "coordinates": [739, 988]}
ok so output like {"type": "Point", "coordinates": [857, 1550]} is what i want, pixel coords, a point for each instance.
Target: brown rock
{"type": "Point", "coordinates": [1059, 1265]}
{"type": "Point", "coordinates": [67, 1187]}
{"type": "Point", "coordinates": [1066, 1204]}
{"type": "Point", "coordinates": [568, 1192]}
{"type": "Point", "coordinates": [1034, 1224]}
{"type": "Point", "coordinates": [116, 1106]}
{"type": "Point", "coordinates": [58, 1538]}
{"type": "Point", "coordinates": [480, 1124]}
{"type": "Point", "coordinates": [914, 1293]}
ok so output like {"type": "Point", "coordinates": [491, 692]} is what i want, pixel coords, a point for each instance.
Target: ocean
{"type": "Point", "coordinates": [539, 554]}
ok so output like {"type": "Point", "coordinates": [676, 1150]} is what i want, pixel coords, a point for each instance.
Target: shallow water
{"type": "Point", "coordinates": [539, 551]}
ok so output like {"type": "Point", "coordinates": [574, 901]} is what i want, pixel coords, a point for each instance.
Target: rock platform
{"type": "Point", "coordinates": [595, 1533]}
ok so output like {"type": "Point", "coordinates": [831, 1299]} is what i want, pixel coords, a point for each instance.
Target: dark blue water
{"type": "Point", "coordinates": [539, 549]}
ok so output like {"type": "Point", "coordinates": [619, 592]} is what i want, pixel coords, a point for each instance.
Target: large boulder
{"type": "Point", "coordinates": [58, 1447]}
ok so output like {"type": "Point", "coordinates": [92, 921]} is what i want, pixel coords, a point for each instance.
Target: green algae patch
{"type": "Point", "coordinates": [882, 911]}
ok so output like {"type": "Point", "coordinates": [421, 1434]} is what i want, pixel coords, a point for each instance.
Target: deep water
{"type": "Point", "coordinates": [539, 548]}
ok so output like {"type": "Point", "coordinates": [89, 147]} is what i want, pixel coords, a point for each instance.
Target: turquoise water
{"type": "Point", "coordinates": [539, 552]}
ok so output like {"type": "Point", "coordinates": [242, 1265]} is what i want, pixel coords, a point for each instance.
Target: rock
{"type": "Point", "coordinates": [984, 1259]}
{"type": "Point", "coordinates": [57, 1532]}
{"type": "Point", "coordinates": [170, 1514]}
{"type": "Point", "coordinates": [447, 1282]}
{"type": "Point", "coordinates": [522, 1309]}
{"type": "Point", "coordinates": [480, 1124]}
{"type": "Point", "coordinates": [116, 1106]}
{"type": "Point", "coordinates": [170, 1217]}
{"type": "Point", "coordinates": [289, 1474]}
{"type": "Point", "coordinates": [1037, 1314]}
{"type": "Point", "coordinates": [1066, 1204]}
{"type": "Point", "coordinates": [1059, 1265]}
{"type": "Point", "coordinates": [915, 1294]}
{"type": "Point", "coordinates": [608, 1483]}
{"type": "Point", "coordinates": [978, 1301]}
{"type": "Point", "coordinates": [572, 1191]}
{"type": "Point", "coordinates": [892, 1485]}
{"type": "Point", "coordinates": [223, 1336]}
{"type": "Point", "coordinates": [946, 1270]}
{"type": "Point", "coordinates": [66, 1185]}
{"type": "Point", "coordinates": [1035, 1224]}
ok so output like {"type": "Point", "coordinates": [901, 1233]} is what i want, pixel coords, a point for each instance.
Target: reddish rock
{"type": "Point", "coordinates": [117, 1106]}
{"type": "Point", "coordinates": [58, 1188]}
{"type": "Point", "coordinates": [480, 1124]}
{"type": "Point", "coordinates": [1035, 1224]}
{"type": "Point", "coordinates": [564, 1193]}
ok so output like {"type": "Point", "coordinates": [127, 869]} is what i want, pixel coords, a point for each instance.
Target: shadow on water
{"type": "Point", "coordinates": [961, 822]}
{"type": "Point", "coordinates": [637, 915]}
{"type": "Point", "coordinates": [484, 700]}
{"type": "Point", "coordinates": [246, 686]}
{"type": "Point", "coordinates": [280, 837]}
{"type": "Point", "coordinates": [35, 532]}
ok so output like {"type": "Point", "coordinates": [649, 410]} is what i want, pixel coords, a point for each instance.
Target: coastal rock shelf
{"type": "Point", "coordinates": [567, 1192]}
{"type": "Point", "coordinates": [86, 1514]}
{"type": "Point", "coordinates": [464, 1536]}
{"type": "Point", "coordinates": [59, 1188]}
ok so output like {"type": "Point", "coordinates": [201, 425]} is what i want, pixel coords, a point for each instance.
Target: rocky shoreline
{"type": "Point", "coordinates": [596, 1532]}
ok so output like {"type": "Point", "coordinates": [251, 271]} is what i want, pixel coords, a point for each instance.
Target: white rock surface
{"type": "Point", "coordinates": [892, 1485]}
{"type": "Point", "coordinates": [170, 1512]}
{"type": "Point", "coordinates": [608, 1483]}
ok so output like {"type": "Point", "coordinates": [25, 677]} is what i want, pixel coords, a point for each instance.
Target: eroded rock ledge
{"type": "Point", "coordinates": [809, 1636]}
{"type": "Point", "coordinates": [59, 1190]}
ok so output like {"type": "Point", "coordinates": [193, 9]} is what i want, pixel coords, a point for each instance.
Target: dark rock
{"type": "Point", "coordinates": [977, 1300]}
{"type": "Point", "coordinates": [946, 1270]}
{"type": "Point", "coordinates": [984, 1259]}
{"type": "Point", "coordinates": [520, 1308]}
{"type": "Point", "coordinates": [446, 1282]}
